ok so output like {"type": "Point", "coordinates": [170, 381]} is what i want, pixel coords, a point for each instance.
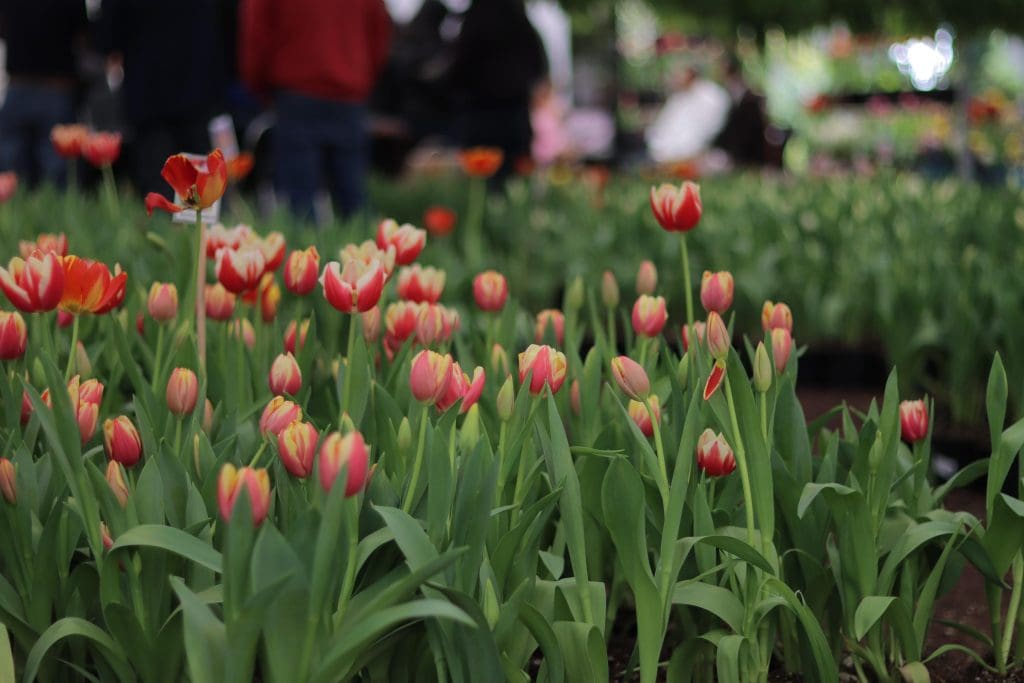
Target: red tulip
{"type": "Point", "coordinates": [716, 291]}
{"type": "Point", "coordinates": [356, 288]}
{"type": "Point", "coordinates": [429, 375]}
{"type": "Point", "coordinates": [296, 444]}
{"type": "Point", "coordinates": [719, 341]}
{"type": "Point", "coordinates": [913, 420]}
{"type": "Point", "coordinates": [774, 316]}
{"type": "Point", "coordinates": [256, 483]}
{"type": "Point", "coordinates": [289, 336]}
{"type": "Point", "coordinates": [366, 254]}
{"type": "Point", "coordinates": [641, 418]}
{"type": "Point", "coordinates": [121, 440]}
{"type": "Point", "coordinates": [285, 376]}
{"type": "Point", "coordinates": [90, 287]}
{"type": "Point", "coordinates": [68, 139]}
{"type": "Point", "coordinates": [400, 320]}
{"type": "Point", "coordinates": [481, 162]}
{"type": "Point", "coordinates": [544, 365]}
{"type": "Point", "coordinates": [646, 278]}
{"type": "Point", "coordinates": [199, 183]}
{"type": "Point", "coordinates": [301, 271]}
{"type": "Point", "coordinates": [182, 391]}
{"type": "Point", "coordinates": [631, 378]}
{"type": "Point", "coordinates": [407, 240]}
{"type": "Point", "coordinates": [162, 302]}
{"type": "Point", "coordinates": [240, 270]}
{"type": "Point", "coordinates": [782, 346]}
{"type": "Point", "coordinates": [439, 220]}
{"type": "Point", "coordinates": [347, 452]}
{"type": "Point", "coordinates": [220, 303]}
{"type": "Point", "coordinates": [421, 284]}
{"type": "Point", "coordinates": [490, 290]}
{"type": "Point", "coordinates": [700, 330]}
{"type": "Point", "coordinates": [13, 335]}
{"type": "Point", "coordinates": [676, 209]}
{"type": "Point", "coordinates": [218, 237]}
{"type": "Point", "coordinates": [273, 248]}
{"type": "Point", "coordinates": [34, 284]}
{"type": "Point", "coordinates": [649, 315]}
{"type": "Point", "coordinates": [279, 413]}
{"type": "Point", "coordinates": [460, 387]}
{"type": "Point", "coordinates": [101, 149]}
{"type": "Point", "coordinates": [714, 455]}
{"type": "Point", "coordinates": [8, 185]}
{"type": "Point", "coordinates": [430, 327]}
{"type": "Point", "coordinates": [554, 319]}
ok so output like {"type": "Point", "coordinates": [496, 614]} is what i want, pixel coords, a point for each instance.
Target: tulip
{"type": "Point", "coordinates": [461, 387]}
{"type": "Point", "coordinates": [439, 220]}
{"type": "Point", "coordinates": [490, 290]}
{"type": "Point", "coordinates": [240, 166]}
{"type": "Point", "coordinates": [700, 330]}
{"type": "Point", "coordinates": [279, 413]}
{"type": "Point", "coordinates": [270, 297]}
{"type": "Point", "coordinates": [240, 270]}
{"type": "Point", "coordinates": [162, 302]}
{"type": "Point", "coordinates": [8, 185]}
{"type": "Point", "coordinates": [301, 271]}
{"type": "Point", "coordinates": [429, 375]}
{"type": "Point", "coordinates": [631, 378]}
{"type": "Point", "coordinates": [430, 325]}
{"type": "Point", "coordinates": [296, 445]}
{"type": "Point", "coordinates": [182, 391]}
{"type": "Point", "coordinates": [714, 455]}
{"type": "Point", "coordinates": [67, 139]}
{"type": "Point", "coordinates": [544, 365]}
{"type": "Point", "coordinates": [199, 183]}
{"type": "Point", "coordinates": [481, 162]}
{"type": "Point", "coordinates": [719, 341]}
{"type": "Point", "coordinates": [26, 407]}
{"type": "Point", "coordinates": [243, 329]}
{"type": "Point", "coordinates": [220, 303]}
{"type": "Point", "coordinates": [64, 320]}
{"type": "Point", "coordinates": [609, 289]}
{"type": "Point", "coordinates": [782, 345]}
{"type": "Point", "coordinates": [90, 391]}
{"type": "Point", "coordinates": [554, 319]}
{"type": "Point", "coordinates": [646, 278]}
{"type": "Point", "coordinates": [407, 240]}
{"type": "Point", "coordinates": [121, 440]}
{"type": "Point", "coordinates": [46, 243]}
{"type": "Point", "coordinates": [115, 480]}
{"type": "Point", "coordinates": [371, 325]}
{"type": "Point", "coordinates": [348, 452]}
{"type": "Point", "coordinates": [423, 285]}
{"type": "Point", "coordinates": [218, 237]}
{"type": "Point", "coordinates": [506, 401]}
{"type": "Point", "coordinates": [676, 209]}
{"type": "Point", "coordinates": [256, 483]}
{"type": "Point", "coordinates": [649, 315]}
{"type": "Point", "coordinates": [762, 369]}
{"type": "Point", "coordinates": [913, 420]}
{"type": "Point", "coordinates": [289, 336]}
{"type": "Point", "coordinates": [400, 323]}
{"type": "Point", "coordinates": [88, 416]}
{"type": "Point", "coordinates": [8, 481]}
{"type": "Point", "coordinates": [451, 322]}
{"type": "Point", "coordinates": [774, 316]}
{"type": "Point", "coordinates": [574, 398]}
{"type": "Point", "coordinates": [208, 416]}
{"type": "Point", "coordinates": [716, 290]}
{"type": "Point", "coordinates": [641, 418]}
{"type": "Point", "coordinates": [715, 379]}
{"type": "Point", "coordinates": [285, 376]}
{"type": "Point", "coordinates": [272, 247]}
{"type": "Point", "coordinates": [368, 252]}
{"type": "Point", "coordinates": [499, 361]}
{"type": "Point", "coordinates": [34, 284]}
{"type": "Point", "coordinates": [356, 288]}
{"type": "Point", "coordinates": [90, 287]}
{"type": "Point", "coordinates": [101, 149]}
{"type": "Point", "coordinates": [108, 540]}
{"type": "Point", "coordinates": [13, 335]}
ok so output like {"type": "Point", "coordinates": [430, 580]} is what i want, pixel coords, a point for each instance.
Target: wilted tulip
{"type": "Point", "coordinates": [279, 413]}
{"type": "Point", "coordinates": [677, 209]}
{"type": "Point", "coordinates": [407, 240]}
{"type": "Point", "coordinates": [646, 278]}
{"type": "Point", "coordinates": [347, 452]}
{"type": "Point", "coordinates": [182, 391]}
{"type": "Point", "coordinates": [296, 445]}
{"type": "Point", "coordinates": [716, 291]}
{"type": "Point", "coordinates": [301, 271]}
{"type": "Point", "coordinates": [641, 418]}
{"type": "Point", "coordinates": [13, 335]}
{"type": "Point", "coordinates": [550, 318]}
{"type": "Point", "coordinates": [121, 441]}
{"type": "Point", "coordinates": [913, 420]}
{"type": "Point", "coordinates": [631, 378]}
{"type": "Point", "coordinates": [545, 365]}
{"type": "Point", "coordinates": [714, 455]}
{"type": "Point", "coordinates": [285, 375]}
{"type": "Point", "coordinates": [199, 183]}
{"type": "Point", "coordinates": [162, 302]}
{"type": "Point", "coordinates": [428, 376]}
{"type": "Point", "coordinates": [256, 483]}
{"type": "Point", "coordinates": [490, 290]}
{"type": "Point", "coordinates": [649, 315]}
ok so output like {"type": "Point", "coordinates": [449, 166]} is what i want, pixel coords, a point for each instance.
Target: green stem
{"type": "Point", "coordinates": [741, 462]}
{"type": "Point", "coordinates": [177, 435]}
{"type": "Point", "coordinates": [259, 452]}
{"type": "Point", "coordinates": [764, 418]}
{"type": "Point", "coordinates": [417, 465]}
{"type": "Point", "coordinates": [353, 323]}
{"type": "Point", "coordinates": [136, 591]}
{"type": "Point", "coordinates": [110, 188]}
{"type": "Point", "coordinates": [348, 582]}
{"type": "Point", "coordinates": [612, 341]}
{"type": "Point", "coordinates": [157, 361]}
{"type": "Point", "coordinates": [73, 351]}
{"type": "Point", "coordinates": [686, 282]}
{"type": "Point", "coordinates": [1011, 611]}
{"type": "Point", "coordinates": [663, 485]}
{"type": "Point", "coordinates": [200, 284]}
{"type": "Point", "coordinates": [502, 436]}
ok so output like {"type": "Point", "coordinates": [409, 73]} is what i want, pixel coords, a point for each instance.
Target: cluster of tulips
{"type": "Point", "coordinates": [346, 477]}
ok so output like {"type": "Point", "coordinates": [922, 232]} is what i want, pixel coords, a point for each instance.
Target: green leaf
{"type": "Point", "coordinates": [544, 634]}
{"type": "Point", "coordinates": [719, 601]}
{"type": "Point", "coordinates": [6, 656]}
{"type": "Point", "coordinates": [727, 658]}
{"type": "Point", "coordinates": [206, 646]}
{"type": "Point", "coordinates": [816, 643]}
{"type": "Point", "coordinates": [873, 608]}
{"type": "Point", "coordinates": [915, 672]}
{"type": "Point", "coordinates": [729, 544]}
{"type": "Point", "coordinates": [172, 540]}
{"type": "Point", "coordinates": [1004, 536]}
{"type": "Point", "coordinates": [1010, 443]}
{"type": "Point", "coordinates": [73, 626]}
{"type": "Point", "coordinates": [586, 659]}
{"type": "Point", "coordinates": [963, 477]}
{"type": "Point", "coordinates": [995, 400]}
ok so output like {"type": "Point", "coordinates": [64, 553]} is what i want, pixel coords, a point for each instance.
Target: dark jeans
{"type": "Point", "coordinates": [317, 139]}
{"type": "Point", "coordinates": [30, 111]}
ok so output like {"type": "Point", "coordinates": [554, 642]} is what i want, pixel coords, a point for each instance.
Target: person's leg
{"type": "Point", "coordinates": [14, 148]}
{"type": "Point", "coordinates": [297, 160]}
{"type": "Point", "coordinates": [53, 106]}
{"type": "Point", "coordinates": [348, 157]}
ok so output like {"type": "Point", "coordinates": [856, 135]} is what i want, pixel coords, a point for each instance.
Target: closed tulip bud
{"type": "Point", "coordinates": [423, 285]}
{"type": "Point", "coordinates": [428, 376]}
{"type": "Point", "coordinates": [108, 540]}
{"type": "Point", "coordinates": [8, 481]}
{"type": "Point", "coordinates": [544, 365]}
{"type": "Point", "coordinates": [220, 303]}
{"type": "Point", "coordinates": [255, 482]}
{"type": "Point", "coordinates": [64, 320]}
{"type": "Point", "coordinates": [609, 289]}
{"type": "Point", "coordinates": [301, 271]}
{"type": "Point", "coordinates": [90, 391]}
{"type": "Point", "coordinates": [285, 375]}
{"type": "Point", "coordinates": [716, 291]}
{"type": "Point", "coordinates": [499, 361]}
{"type": "Point", "coordinates": [429, 324]}
{"type": "Point", "coordinates": [182, 391]}
{"type": "Point", "coordinates": [371, 325]}
{"type": "Point", "coordinates": [553, 319]}
{"type": "Point", "coordinates": [913, 420]}
{"type": "Point", "coordinates": [404, 435]}
{"type": "Point", "coordinates": [243, 329]}
{"type": "Point", "coordinates": [762, 369]}
{"type": "Point", "coordinates": [208, 417]}
{"type": "Point", "coordinates": [88, 418]}
{"type": "Point", "coordinates": [348, 452]}
{"type": "Point", "coordinates": [782, 346]}
{"type": "Point", "coordinates": [775, 316]}
{"type": "Point", "coordinates": [574, 398]}
{"type": "Point", "coordinates": [296, 445]}
{"type": "Point", "coordinates": [649, 315]}
{"type": "Point", "coordinates": [641, 418]}
{"type": "Point", "coordinates": [631, 378]}
{"type": "Point", "coordinates": [490, 290]}
{"type": "Point", "coordinates": [714, 454]}
{"type": "Point", "coordinates": [469, 433]}
{"type": "Point", "coordinates": [677, 209]}
{"type": "Point", "coordinates": [289, 336]}
{"type": "Point", "coordinates": [121, 440]}
{"type": "Point", "coordinates": [115, 479]}
{"type": "Point", "coordinates": [575, 295]}
{"type": "Point", "coordinates": [279, 413]}
{"type": "Point", "coordinates": [506, 401]}
{"type": "Point", "coordinates": [13, 335]}
{"type": "Point", "coordinates": [162, 303]}
{"type": "Point", "coordinates": [646, 278]}
{"type": "Point", "coordinates": [876, 453]}
{"type": "Point", "coordinates": [719, 342]}
{"type": "Point", "coordinates": [699, 331]}
{"type": "Point", "coordinates": [407, 240]}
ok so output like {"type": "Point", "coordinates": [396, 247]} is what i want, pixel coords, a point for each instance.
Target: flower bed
{"type": "Point", "coordinates": [356, 467]}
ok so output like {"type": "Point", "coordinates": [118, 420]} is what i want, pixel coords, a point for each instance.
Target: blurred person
{"type": "Point", "coordinates": [548, 114]}
{"type": "Point", "coordinates": [498, 61]}
{"type": "Point", "coordinates": [743, 135]}
{"type": "Point", "coordinates": [175, 77]}
{"type": "Point", "coordinates": [688, 122]}
{"type": "Point", "coordinates": [42, 38]}
{"type": "Point", "coordinates": [317, 60]}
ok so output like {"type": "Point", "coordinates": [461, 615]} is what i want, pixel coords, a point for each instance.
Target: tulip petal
{"type": "Point", "coordinates": [155, 200]}
{"type": "Point", "coordinates": [714, 380]}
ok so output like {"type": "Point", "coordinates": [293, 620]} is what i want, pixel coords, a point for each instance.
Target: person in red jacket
{"type": "Point", "coordinates": [317, 60]}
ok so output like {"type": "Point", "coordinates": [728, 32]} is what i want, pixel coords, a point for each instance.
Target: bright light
{"type": "Point", "coordinates": [925, 60]}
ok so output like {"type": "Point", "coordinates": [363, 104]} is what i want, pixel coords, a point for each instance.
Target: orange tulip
{"type": "Point", "coordinates": [240, 166]}
{"type": "Point", "coordinates": [8, 481]}
{"type": "Point", "coordinates": [439, 220]}
{"type": "Point", "coordinates": [199, 183]}
{"type": "Point", "coordinates": [101, 149]}
{"type": "Point", "coordinates": [481, 162]}
{"type": "Point", "coordinates": [90, 287]}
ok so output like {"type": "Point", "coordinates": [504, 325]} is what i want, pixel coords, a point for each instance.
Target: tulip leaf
{"type": "Point", "coordinates": [206, 642]}
{"type": "Point", "coordinates": [729, 544]}
{"type": "Point", "coordinates": [995, 400]}
{"type": "Point", "coordinates": [1004, 536]}
{"type": "Point", "coordinates": [583, 648]}
{"type": "Point", "coordinates": [816, 643]}
{"type": "Point", "coordinates": [721, 602]}
{"type": "Point", "coordinates": [544, 634]}
{"type": "Point", "coordinates": [873, 608]}
{"type": "Point", "coordinates": [6, 657]}
{"type": "Point", "coordinates": [727, 659]}
{"type": "Point", "coordinates": [75, 627]}
{"type": "Point", "coordinates": [172, 540]}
